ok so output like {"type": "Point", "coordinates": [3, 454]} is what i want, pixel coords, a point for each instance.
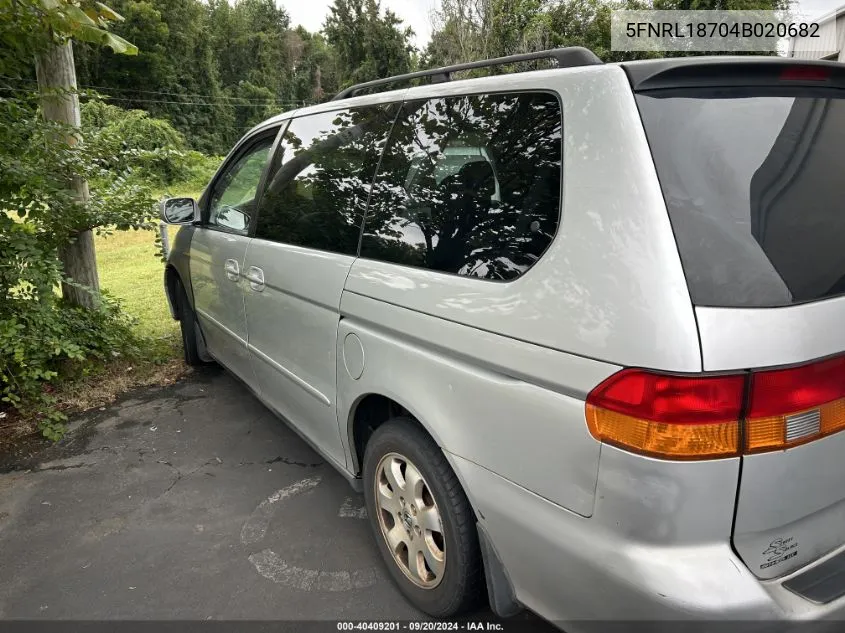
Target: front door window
{"type": "Point", "coordinates": [232, 205]}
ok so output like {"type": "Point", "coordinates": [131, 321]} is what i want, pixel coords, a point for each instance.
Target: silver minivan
{"type": "Point", "coordinates": [578, 334]}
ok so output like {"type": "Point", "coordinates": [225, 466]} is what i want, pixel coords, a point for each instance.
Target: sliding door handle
{"type": "Point", "coordinates": [232, 269]}
{"type": "Point", "coordinates": [255, 276]}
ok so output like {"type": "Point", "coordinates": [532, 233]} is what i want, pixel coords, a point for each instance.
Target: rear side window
{"type": "Point", "coordinates": [469, 185]}
{"type": "Point", "coordinates": [755, 191]}
{"type": "Point", "coordinates": [317, 196]}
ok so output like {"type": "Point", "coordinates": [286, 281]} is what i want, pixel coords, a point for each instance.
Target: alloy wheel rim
{"type": "Point", "coordinates": [410, 521]}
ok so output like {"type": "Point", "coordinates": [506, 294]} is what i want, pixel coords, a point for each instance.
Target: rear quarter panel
{"type": "Point", "coordinates": [478, 396]}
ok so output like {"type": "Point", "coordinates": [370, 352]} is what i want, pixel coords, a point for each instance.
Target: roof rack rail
{"type": "Point", "coordinates": [565, 57]}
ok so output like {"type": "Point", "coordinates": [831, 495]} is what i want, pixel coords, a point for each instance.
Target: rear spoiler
{"type": "Point", "coordinates": [733, 72]}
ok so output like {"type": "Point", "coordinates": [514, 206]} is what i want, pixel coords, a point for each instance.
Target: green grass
{"type": "Point", "coordinates": [131, 271]}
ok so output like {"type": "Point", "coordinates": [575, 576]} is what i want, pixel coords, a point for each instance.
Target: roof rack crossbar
{"type": "Point", "coordinates": [565, 57]}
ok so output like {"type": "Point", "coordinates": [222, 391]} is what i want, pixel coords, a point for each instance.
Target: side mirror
{"type": "Point", "coordinates": [179, 210]}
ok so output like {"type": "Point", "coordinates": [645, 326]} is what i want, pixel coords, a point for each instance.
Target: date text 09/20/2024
{"type": "Point", "coordinates": [419, 626]}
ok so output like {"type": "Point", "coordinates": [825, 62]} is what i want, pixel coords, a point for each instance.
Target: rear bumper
{"type": "Point", "coordinates": [580, 574]}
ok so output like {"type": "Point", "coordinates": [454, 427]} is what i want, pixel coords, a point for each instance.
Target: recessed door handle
{"type": "Point", "coordinates": [232, 269]}
{"type": "Point", "coordinates": [255, 276]}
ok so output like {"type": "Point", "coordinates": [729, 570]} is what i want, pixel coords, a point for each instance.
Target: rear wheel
{"type": "Point", "coordinates": [190, 328]}
{"type": "Point", "coordinates": [422, 520]}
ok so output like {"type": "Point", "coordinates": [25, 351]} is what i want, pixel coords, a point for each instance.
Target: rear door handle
{"type": "Point", "coordinates": [232, 269]}
{"type": "Point", "coordinates": [255, 276]}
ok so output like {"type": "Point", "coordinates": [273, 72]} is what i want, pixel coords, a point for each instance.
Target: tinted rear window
{"type": "Point", "coordinates": [468, 185]}
{"type": "Point", "coordinates": [755, 187]}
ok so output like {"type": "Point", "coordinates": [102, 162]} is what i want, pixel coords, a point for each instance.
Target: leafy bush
{"type": "Point", "coordinates": [44, 342]}
{"type": "Point", "coordinates": [45, 205]}
{"type": "Point", "coordinates": [43, 339]}
{"type": "Point", "coordinates": [135, 128]}
{"type": "Point", "coordinates": [151, 148]}
{"type": "Point", "coordinates": [198, 171]}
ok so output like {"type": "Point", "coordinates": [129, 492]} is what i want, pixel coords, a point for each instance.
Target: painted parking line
{"type": "Point", "coordinates": [352, 509]}
{"type": "Point", "coordinates": [256, 525]}
{"type": "Point", "coordinates": [274, 567]}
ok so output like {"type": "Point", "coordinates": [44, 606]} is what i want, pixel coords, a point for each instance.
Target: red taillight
{"type": "Point", "coordinates": [666, 398]}
{"type": "Point", "coordinates": [794, 406]}
{"type": "Point", "coordinates": [678, 417]}
{"type": "Point", "coordinates": [805, 73]}
{"type": "Point", "coordinates": [699, 417]}
{"type": "Point", "coordinates": [790, 390]}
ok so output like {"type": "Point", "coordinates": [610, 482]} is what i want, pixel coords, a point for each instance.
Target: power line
{"type": "Point", "coordinates": [176, 94]}
{"type": "Point", "coordinates": [277, 104]}
{"type": "Point", "coordinates": [230, 128]}
{"type": "Point", "coordinates": [219, 98]}
{"type": "Point", "coordinates": [215, 98]}
{"type": "Point", "coordinates": [200, 103]}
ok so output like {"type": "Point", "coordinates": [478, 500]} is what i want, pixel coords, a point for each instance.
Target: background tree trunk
{"type": "Point", "coordinates": [57, 82]}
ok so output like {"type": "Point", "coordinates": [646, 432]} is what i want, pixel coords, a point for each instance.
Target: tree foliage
{"type": "Point", "coordinates": [368, 45]}
{"type": "Point", "coordinates": [41, 337]}
{"type": "Point", "coordinates": [174, 76]}
{"type": "Point", "coordinates": [465, 30]}
{"type": "Point", "coordinates": [26, 26]}
{"type": "Point", "coordinates": [216, 69]}
{"type": "Point", "coordinates": [722, 5]}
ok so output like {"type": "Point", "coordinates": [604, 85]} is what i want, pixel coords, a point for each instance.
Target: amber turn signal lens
{"type": "Point", "coordinates": [674, 417]}
{"type": "Point", "coordinates": [833, 417]}
{"type": "Point", "coordinates": [661, 439]}
{"type": "Point", "coordinates": [765, 434]}
{"type": "Point", "coordinates": [771, 433]}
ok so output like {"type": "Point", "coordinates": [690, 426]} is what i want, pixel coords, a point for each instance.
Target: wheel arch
{"type": "Point", "coordinates": [372, 409]}
{"type": "Point", "coordinates": [386, 405]}
{"type": "Point", "coordinates": [369, 411]}
{"type": "Point", "coordinates": [172, 280]}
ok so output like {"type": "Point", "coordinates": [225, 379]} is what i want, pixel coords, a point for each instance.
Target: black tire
{"type": "Point", "coordinates": [462, 584]}
{"type": "Point", "coordinates": [190, 328]}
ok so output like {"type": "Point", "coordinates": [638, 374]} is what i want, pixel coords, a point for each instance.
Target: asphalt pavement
{"type": "Point", "coordinates": [191, 502]}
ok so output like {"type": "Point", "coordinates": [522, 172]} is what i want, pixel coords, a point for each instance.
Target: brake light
{"type": "Point", "coordinates": [677, 417]}
{"type": "Point", "coordinates": [700, 417]}
{"type": "Point", "coordinates": [793, 406]}
{"type": "Point", "coordinates": [805, 73]}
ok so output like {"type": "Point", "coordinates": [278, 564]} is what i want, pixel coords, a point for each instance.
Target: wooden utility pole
{"type": "Point", "coordinates": [56, 75]}
{"type": "Point", "coordinates": [318, 85]}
